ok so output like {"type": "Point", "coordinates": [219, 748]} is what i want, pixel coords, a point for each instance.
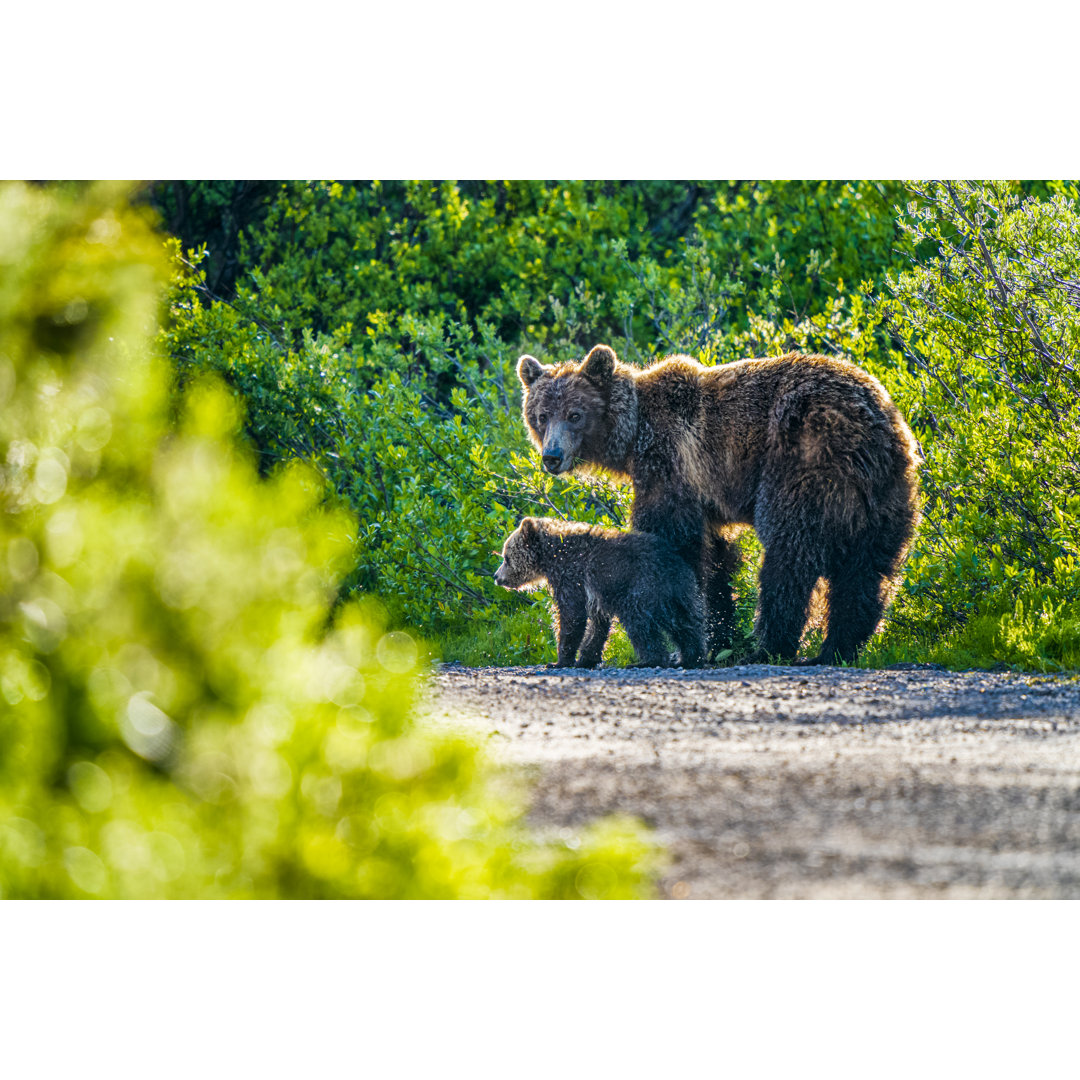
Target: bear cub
{"type": "Point", "coordinates": [598, 574]}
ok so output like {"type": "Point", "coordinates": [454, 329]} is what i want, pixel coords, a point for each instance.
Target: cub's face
{"type": "Point", "coordinates": [519, 569]}
{"type": "Point", "coordinates": [565, 407]}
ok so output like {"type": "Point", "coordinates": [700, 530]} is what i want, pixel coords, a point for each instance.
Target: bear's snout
{"type": "Point", "coordinates": [553, 461]}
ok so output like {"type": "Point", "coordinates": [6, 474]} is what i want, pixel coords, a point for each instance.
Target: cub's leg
{"type": "Point", "coordinates": [720, 560]}
{"type": "Point", "coordinates": [596, 635]}
{"type": "Point", "coordinates": [688, 630]}
{"type": "Point", "coordinates": [648, 641]}
{"type": "Point", "coordinates": [570, 620]}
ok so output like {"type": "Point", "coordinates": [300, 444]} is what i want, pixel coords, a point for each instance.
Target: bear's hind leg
{"type": "Point", "coordinates": [785, 585]}
{"type": "Point", "coordinates": [856, 602]}
{"type": "Point", "coordinates": [688, 629]}
{"type": "Point", "coordinates": [648, 641]}
{"type": "Point", "coordinates": [691, 646]}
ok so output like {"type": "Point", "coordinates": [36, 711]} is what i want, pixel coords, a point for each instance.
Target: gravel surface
{"type": "Point", "coordinates": [802, 782]}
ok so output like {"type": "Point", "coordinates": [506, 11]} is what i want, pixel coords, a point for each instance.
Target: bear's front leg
{"type": "Point", "coordinates": [720, 560]}
{"type": "Point", "coordinates": [570, 619]}
{"type": "Point", "coordinates": [672, 512]}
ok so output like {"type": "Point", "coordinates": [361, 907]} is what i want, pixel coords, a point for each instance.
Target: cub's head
{"type": "Point", "coordinates": [522, 555]}
{"type": "Point", "coordinates": [568, 408]}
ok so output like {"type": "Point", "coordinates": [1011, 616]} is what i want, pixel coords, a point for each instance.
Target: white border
{"type": "Point", "coordinates": [512, 990]}
{"type": "Point", "coordinates": [567, 89]}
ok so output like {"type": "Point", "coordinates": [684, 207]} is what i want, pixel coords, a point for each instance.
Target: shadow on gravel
{"type": "Point", "coordinates": [800, 694]}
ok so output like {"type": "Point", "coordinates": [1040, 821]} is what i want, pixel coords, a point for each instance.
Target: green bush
{"type": "Point", "coordinates": [181, 714]}
{"type": "Point", "coordinates": [988, 329]}
{"type": "Point", "coordinates": [760, 253]}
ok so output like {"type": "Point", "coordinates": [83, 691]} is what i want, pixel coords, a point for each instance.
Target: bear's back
{"type": "Point", "coordinates": [722, 428]}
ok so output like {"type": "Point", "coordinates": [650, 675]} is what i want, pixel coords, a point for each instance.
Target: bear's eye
{"type": "Point", "coordinates": [574, 417]}
{"type": "Point", "coordinates": [541, 419]}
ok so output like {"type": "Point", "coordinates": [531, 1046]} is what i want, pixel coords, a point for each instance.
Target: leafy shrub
{"type": "Point", "coordinates": [215, 214]}
{"type": "Point", "coordinates": [180, 718]}
{"type": "Point", "coordinates": [989, 329]}
{"type": "Point", "coordinates": [762, 253]}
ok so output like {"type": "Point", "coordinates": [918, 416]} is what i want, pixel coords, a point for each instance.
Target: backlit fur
{"type": "Point", "coordinates": [808, 450]}
{"type": "Point", "coordinates": [598, 574]}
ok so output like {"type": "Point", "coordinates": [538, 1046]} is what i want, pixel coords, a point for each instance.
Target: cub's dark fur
{"type": "Point", "coordinates": [808, 450]}
{"type": "Point", "coordinates": [596, 574]}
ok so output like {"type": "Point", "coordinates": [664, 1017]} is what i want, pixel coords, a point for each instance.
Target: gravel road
{"type": "Point", "coordinates": [793, 782]}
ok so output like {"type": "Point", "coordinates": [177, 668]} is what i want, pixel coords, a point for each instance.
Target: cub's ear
{"type": "Point", "coordinates": [527, 526]}
{"type": "Point", "coordinates": [529, 370]}
{"type": "Point", "coordinates": [599, 365]}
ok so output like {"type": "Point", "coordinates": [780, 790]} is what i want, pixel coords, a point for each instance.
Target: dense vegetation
{"type": "Point", "coordinates": [371, 330]}
{"type": "Point", "coordinates": [987, 331]}
{"type": "Point", "coordinates": [179, 714]}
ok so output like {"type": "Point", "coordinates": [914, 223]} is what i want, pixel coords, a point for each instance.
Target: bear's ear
{"type": "Point", "coordinates": [529, 370]}
{"type": "Point", "coordinates": [599, 365]}
{"type": "Point", "coordinates": [530, 529]}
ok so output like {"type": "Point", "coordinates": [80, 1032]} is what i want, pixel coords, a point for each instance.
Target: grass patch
{"type": "Point", "coordinates": [1042, 640]}
{"type": "Point", "coordinates": [524, 637]}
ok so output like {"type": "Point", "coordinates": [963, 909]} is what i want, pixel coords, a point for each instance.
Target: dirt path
{"type": "Point", "coordinates": [796, 782]}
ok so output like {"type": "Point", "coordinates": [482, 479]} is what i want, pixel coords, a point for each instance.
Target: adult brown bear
{"type": "Point", "coordinates": [808, 450]}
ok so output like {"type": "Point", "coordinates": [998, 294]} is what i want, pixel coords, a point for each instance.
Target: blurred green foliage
{"type": "Point", "coordinates": [180, 715]}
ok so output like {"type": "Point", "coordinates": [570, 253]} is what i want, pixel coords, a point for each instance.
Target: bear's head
{"type": "Point", "coordinates": [522, 555]}
{"type": "Point", "coordinates": [580, 413]}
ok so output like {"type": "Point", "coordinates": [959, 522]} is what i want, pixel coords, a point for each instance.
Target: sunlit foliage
{"type": "Point", "coordinates": [988, 329]}
{"type": "Point", "coordinates": [180, 715]}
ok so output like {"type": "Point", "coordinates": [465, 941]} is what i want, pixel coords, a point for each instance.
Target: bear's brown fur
{"type": "Point", "coordinates": [598, 574]}
{"type": "Point", "coordinates": [808, 450]}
